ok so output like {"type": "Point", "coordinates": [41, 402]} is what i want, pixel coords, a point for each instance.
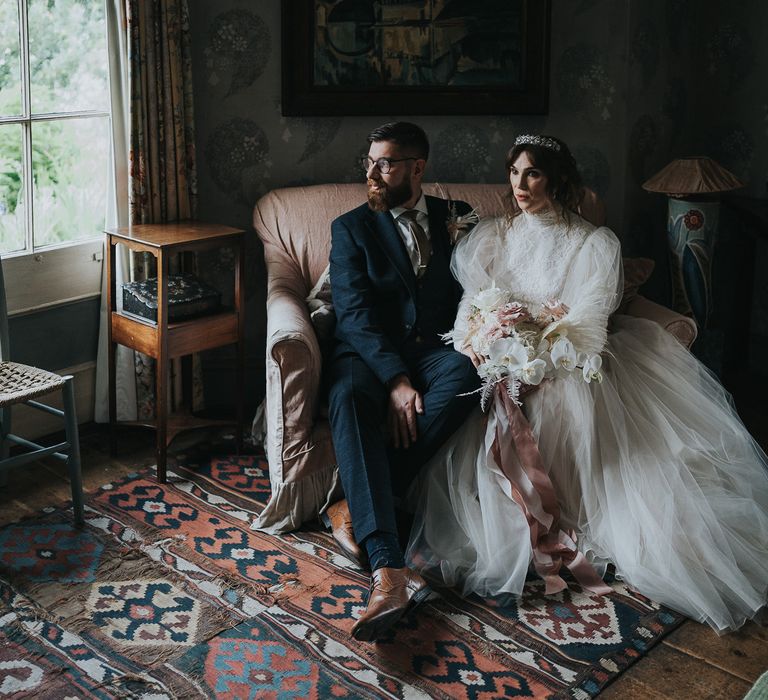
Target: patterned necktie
{"type": "Point", "coordinates": [423, 244]}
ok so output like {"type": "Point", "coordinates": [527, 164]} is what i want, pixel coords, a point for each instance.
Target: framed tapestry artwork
{"type": "Point", "coordinates": [355, 57]}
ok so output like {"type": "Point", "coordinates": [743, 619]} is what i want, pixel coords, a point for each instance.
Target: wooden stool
{"type": "Point", "coordinates": [164, 340]}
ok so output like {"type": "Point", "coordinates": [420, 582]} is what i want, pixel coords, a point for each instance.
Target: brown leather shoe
{"type": "Point", "coordinates": [393, 593]}
{"type": "Point", "coordinates": [338, 519]}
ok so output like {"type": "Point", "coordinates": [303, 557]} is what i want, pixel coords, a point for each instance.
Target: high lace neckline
{"type": "Point", "coordinates": [543, 218]}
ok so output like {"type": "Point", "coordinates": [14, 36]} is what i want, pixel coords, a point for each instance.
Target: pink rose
{"type": "Point", "coordinates": [494, 333]}
{"type": "Point", "coordinates": [512, 313]}
{"type": "Point", "coordinates": [553, 310]}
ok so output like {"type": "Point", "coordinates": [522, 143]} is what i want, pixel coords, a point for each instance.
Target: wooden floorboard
{"type": "Point", "coordinates": [737, 653]}
{"type": "Point", "coordinates": [691, 663]}
{"type": "Point", "coordinates": [625, 687]}
{"type": "Point", "coordinates": [754, 630]}
{"type": "Point", "coordinates": [41, 484]}
{"type": "Point", "coordinates": [668, 673]}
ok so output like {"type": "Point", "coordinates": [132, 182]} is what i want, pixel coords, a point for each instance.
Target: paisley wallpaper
{"type": "Point", "coordinates": [633, 84]}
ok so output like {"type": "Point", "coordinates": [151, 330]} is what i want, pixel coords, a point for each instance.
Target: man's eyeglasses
{"type": "Point", "coordinates": [383, 164]}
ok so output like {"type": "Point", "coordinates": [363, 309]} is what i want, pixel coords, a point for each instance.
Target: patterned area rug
{"type": "Point", "coordinates": [167, 593]}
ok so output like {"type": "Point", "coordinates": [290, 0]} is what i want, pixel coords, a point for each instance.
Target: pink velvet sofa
{"type": "Point", "coordinates": [294, 225]}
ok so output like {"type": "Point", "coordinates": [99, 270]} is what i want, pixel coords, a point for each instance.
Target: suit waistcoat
{"type": "Point", "coordinates": [435, 298]}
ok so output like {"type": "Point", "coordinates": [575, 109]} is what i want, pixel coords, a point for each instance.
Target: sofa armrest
{"type": "Point", "coordinates": [294, 364]}
{"type": "Point", "coordinates": [681, 327]}
{"type": "Point", "coordinates": [302, 466]}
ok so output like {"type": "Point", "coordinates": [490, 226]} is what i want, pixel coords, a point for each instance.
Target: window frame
{"type": "Point", "coordinates": [30, 284]}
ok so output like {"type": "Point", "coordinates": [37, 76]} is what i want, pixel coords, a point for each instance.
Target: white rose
{"type": "Point", "coordinates": [490, 299]}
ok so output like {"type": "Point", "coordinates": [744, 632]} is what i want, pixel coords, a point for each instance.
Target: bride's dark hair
{"type": "Point", "coordinates": [564, 183]}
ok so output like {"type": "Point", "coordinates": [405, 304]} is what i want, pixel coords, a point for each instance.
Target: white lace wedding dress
{"type": "Point", "coordinates": [652, 468]}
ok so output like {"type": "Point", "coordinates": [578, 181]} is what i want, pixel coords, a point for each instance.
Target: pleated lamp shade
{"type": "Point", "coordinates": [692, 175]}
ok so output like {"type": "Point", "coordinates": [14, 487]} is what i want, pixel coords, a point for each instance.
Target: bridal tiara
{"type": "Point", "coordinates": [543, 141]}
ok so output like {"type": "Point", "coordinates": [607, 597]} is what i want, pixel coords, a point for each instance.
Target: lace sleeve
{"type": "Point", "coordinates": [592, 291]}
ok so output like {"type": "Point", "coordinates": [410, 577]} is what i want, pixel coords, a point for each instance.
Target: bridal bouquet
{"type": "Point", "coordinates": [519, 348]}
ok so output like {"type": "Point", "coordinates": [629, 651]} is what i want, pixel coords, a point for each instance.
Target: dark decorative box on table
{"type": "Point", "coordinates": [188, 296]}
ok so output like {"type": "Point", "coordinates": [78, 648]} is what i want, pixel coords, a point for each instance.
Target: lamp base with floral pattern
{"type": "Point", "coordinates": [691, 232]}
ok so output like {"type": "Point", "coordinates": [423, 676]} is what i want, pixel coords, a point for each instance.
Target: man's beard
{"type": "Point", "coordinates": [388, 197]}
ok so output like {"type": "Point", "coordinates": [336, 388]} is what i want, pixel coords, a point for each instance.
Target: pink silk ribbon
{"type": "Point", "coordinates": [532, 490]}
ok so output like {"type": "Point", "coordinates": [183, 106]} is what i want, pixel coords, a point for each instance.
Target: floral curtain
{"type": "Point", "coordinates": [163, 176]}
{"type": "Point", "coordinates": [163, 184]}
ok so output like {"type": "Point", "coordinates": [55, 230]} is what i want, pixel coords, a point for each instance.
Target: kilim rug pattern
{"type": "Point", "coordinates": [168, 593]}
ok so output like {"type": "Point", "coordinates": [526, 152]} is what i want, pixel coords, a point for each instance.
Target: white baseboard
{"type": "Point", "coordinates": [31, 424]}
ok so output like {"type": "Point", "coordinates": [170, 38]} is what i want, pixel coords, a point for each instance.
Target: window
{"type": "Point", "coordinates": [54, 123]}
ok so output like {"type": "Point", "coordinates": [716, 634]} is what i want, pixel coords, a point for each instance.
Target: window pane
{"type": "Point", "coordinates": [10, 64]}
{"type": "Point", "coordinates": [69, 167]}
{"type": "Point", "coordinates": [12, 208]}
{"type": "Point", "coordinates": [67, 55]}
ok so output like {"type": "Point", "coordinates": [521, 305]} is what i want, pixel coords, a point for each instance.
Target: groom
{"type": "Point", "coordinates": [394, 385]}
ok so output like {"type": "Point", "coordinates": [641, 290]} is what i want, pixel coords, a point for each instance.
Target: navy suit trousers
{"type": "Point", "coordinates": [372, 471]}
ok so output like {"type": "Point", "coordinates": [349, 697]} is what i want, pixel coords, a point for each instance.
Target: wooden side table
{"type": "Point", "coordinates": [164, 340]}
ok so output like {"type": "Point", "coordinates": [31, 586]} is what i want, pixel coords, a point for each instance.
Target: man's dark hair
{"type": "Point", "coordinates": [410, 138]}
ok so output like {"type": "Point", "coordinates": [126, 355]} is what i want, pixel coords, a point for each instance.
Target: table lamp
{"type": "Point", "coordinates": [692, 185]}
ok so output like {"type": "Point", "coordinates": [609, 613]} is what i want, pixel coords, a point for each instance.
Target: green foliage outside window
{"type": "Point", "coordinates": [67, 73]}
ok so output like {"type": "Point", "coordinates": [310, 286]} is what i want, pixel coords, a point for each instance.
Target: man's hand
{"type": "Point", "coordinates": [404, 403]}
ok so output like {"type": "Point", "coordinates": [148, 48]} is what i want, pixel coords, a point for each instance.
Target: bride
{"type": "Point", "coordinates": [650, 469]}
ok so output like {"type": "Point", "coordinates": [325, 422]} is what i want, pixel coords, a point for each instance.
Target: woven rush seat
{"type": "Point", "coordinates": [21, 382]}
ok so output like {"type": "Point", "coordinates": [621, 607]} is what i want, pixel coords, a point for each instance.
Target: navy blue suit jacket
{"type": "Point", "coordinates": [374, 286]}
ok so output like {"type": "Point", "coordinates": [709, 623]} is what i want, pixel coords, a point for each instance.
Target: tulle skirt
{"type": "Point", "coordinates": [653, 470]}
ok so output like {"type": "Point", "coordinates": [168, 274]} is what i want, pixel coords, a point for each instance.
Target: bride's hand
{"type": "Point", "coordinates": [472, 355]}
